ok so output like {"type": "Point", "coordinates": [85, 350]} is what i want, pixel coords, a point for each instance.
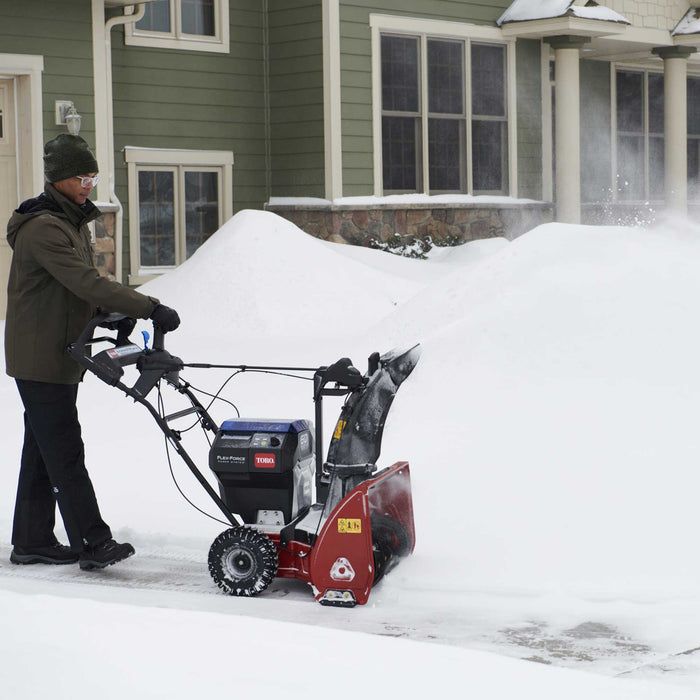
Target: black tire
{"type": "Point", "coordinates": [242, 561]}
{"type": "Point", "coordinates": [390, 542]}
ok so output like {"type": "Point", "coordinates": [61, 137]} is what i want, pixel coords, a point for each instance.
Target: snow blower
{"type": "Point", "coordinates": [341, 540]}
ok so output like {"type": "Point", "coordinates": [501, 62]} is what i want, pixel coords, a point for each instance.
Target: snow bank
{"type": "Point", "coordinates": [205, 655]}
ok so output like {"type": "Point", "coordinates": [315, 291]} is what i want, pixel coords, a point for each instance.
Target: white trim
{"type": "Point", "coordinates": [376, 63]}
{"type": "Point", "coordinates": [613, 132]}
{"type": "Point", "coordinates": [553, 26]}
{"type": "Point", "coordinates": [511, 113]}
{"type": "Point", "coordinates": [332, 114]}
{"type": "Point", "coordinates": [176, 159]}
{"type": "Point", "coordinates": [547, 145]}
{"type": "Point", "coordinates": [422, 29]}
{"type": "Point", "coordinates": [30, 131]}
{"type": "Point", "coordinates": [435, 27]}
{"type": "Point", "coordinates": [425, 140]}
{"type": "Point", "coordinates": [176, 156]}
{"type": "Point", "coordinates": [175, 39]}
{"type": "Point", "coordinates": [468, 116]}
{"type": "Point", "coordinates": [102, 90]}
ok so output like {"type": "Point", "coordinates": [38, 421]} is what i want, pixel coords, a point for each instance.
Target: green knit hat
{"type": "Point", "coordinates": [67, 156]}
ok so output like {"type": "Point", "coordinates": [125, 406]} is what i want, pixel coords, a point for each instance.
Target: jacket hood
{"type": "Point", "coordinates": [50, 201]}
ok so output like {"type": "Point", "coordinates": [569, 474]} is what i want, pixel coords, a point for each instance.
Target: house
{"type": "Point", "coordinates": [365, 121]}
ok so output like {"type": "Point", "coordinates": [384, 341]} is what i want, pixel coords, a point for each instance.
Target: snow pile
{"type": "Point", "coordinates": [261, 275]}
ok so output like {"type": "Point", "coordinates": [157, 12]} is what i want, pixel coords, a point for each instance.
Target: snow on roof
{"type": "Point", "coordinates": [690, 24]}
{"type": "Point", "coordinates": [598, 12]}
{"type": "Point", "coordinates": [525, 10]}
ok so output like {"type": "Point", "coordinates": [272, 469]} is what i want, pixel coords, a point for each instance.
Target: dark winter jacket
{"type": "Point", "coordinates": [54, 288]}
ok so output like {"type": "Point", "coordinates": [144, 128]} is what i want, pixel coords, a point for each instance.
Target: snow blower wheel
{"type": "Point", "coordinates": [242, 561]}
{"type": "Point", "coordinates": [390, 543]}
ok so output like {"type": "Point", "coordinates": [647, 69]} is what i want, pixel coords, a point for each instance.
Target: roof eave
{"type": "Point", "coordinates": [687, 39]}
{"type": "Point", "coordinates": [566, 24]}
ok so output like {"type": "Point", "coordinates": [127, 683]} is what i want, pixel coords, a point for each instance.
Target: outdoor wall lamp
{"type": "Point", "coordinates": [68, 115]}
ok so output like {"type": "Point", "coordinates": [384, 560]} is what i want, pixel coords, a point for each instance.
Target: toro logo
{"type": "Point", "coordinates": [264, 461]}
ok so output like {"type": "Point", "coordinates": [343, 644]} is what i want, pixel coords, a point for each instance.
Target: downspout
{"type": "Point", "coordinates": [104, 111]}
{"type": "Point", "coordinates": [266, 88]}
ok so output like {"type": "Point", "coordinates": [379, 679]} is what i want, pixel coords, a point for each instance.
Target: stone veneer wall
{"type": "Point", "coordinates": [103, 243]}
{"type": "Point", "coordinates": [441, 225]}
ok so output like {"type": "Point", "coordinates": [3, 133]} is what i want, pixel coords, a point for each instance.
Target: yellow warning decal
{"type": "Point", "coordinates": [349, 525]}
{"type": "Point", "coordinates": [340, 425]}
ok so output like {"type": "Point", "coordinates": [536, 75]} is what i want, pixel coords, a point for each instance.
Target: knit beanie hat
{"type": "Point", "coordinates": [67, 156]}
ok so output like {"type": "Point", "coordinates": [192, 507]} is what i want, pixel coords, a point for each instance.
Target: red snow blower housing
{"type": "Point", "coordinates": [340, 540]}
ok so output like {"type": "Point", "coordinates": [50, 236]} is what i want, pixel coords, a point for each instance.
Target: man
{"type": "Point", "coordinates": [53, 291]}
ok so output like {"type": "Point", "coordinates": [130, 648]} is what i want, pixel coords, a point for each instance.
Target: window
{"type": "Point", "coordinates": [489, 121]}
{"type": "Point", "coordinates": [200, 25]}
{"type": "Point", "coordinates": [640, 135]}
{"type": "Point", "coordinates": [444, 100]}
{"type": "Point", "coordinates": [693, 138]}
{"type": "Point", "coordinates": [177, 199]}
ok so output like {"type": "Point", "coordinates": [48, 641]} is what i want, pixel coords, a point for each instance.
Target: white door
{"type": "Point", "coordinates": [9, 198]}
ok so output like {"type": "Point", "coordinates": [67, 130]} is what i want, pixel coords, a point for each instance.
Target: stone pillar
{"type": "Point", "coordinates": [568, 126]}
{"type": "Point", "coordinates": [103, 244]}
{"type": "Point", "coordinates": [676, 125]}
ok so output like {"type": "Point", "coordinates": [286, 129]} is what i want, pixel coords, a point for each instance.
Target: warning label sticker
{"type": "Point", "coordinates": [350, 526]}
{"type": "Point", "coordinates": [339, 429]}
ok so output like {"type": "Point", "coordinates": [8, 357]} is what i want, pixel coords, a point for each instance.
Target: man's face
{"type": "Point", "coordinates": [73, 188]}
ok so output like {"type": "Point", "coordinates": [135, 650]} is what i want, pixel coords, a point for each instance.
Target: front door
{"type": "Point", "coordinates": [9, 197]}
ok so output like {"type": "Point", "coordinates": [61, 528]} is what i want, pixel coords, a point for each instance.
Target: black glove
{"type": "Point", "coordinates": [123, 325]}
{"type": "Point", "coordinates": [165, 318]}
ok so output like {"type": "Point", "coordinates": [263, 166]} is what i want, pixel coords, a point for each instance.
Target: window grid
{"type": "Point", "coordinates": [156, 189]}
{"type": "Point", "coordinates": [639, 99]}
{"type": "Point", "coordinates": [455, 163]}
{"type": "Point", "coordinates": [179, 208]}
{"type": "Point", "coordinates": [694, 138]}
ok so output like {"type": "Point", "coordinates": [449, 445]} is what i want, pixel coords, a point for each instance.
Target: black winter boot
{"type": "Point", "coordinates": [50, 554]}
{"type": "Point", "coordinates": [104, 554]}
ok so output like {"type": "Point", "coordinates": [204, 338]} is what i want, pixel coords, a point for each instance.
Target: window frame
{"type": "Point", "coordinates": [646, 133]}
{"type": "Point", "coordinates": [177, 39]}
{"type": "Point", "coordinates": [693, 140]}
{"type": "Point", "coordinates": [425, 30]}
{"type": "Point", "coordinates": [178, 161]}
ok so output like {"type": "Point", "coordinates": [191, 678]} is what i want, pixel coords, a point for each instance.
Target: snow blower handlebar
{"type": "Point", "coordinates": [109, 364]}
{"type": "Point", "coordinates": [153, 365]}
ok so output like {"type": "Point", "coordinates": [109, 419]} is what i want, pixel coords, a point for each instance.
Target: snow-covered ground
{"type": "Point", "coordinates": [551, 430]}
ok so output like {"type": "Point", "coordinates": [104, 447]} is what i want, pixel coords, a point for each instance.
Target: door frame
{"type": "Point", "coordinates": [27, 70]}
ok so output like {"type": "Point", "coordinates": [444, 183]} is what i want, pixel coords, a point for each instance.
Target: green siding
{"type": "Point", "coordinates": [167, 98]}
{"type": "Point", "coordinates": [296, 98]}
{"type": "Point", "coordinates": [529, 98]}
{"type": "Point", "coordinates": [596, 146]}
{"type": "Point", "coordinates": [356, 77]}
{"type": "Point", "coordinates": [61, 32]}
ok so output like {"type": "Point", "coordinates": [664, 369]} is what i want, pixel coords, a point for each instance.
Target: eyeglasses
{"type": "Point", "coordinates": [85, 181]}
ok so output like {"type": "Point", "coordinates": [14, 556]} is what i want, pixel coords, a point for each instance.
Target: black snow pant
{"type": "Point", "coordinates": [53, 471]}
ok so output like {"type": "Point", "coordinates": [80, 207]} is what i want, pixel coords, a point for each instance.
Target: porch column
{"type": "Point", "coordinates": [676, 125]}
{"type": "Point", "coordinates": [568, 126]}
